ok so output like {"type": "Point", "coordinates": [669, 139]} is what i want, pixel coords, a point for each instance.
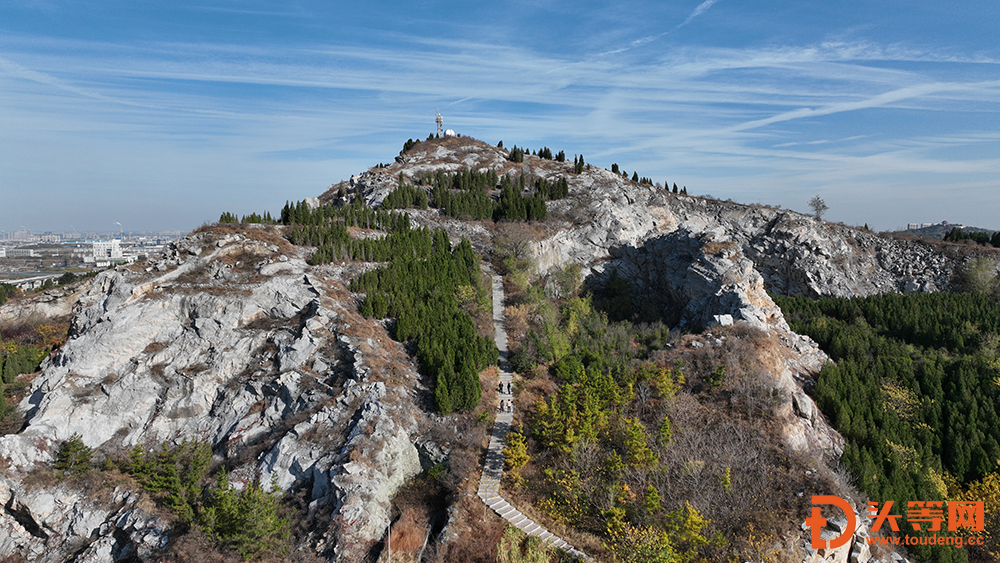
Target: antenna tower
{"type": "Point", "coordinates": [439, 120]}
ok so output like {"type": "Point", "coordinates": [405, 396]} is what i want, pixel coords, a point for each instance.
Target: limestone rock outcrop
{"type": "Point", "coordinates": [235, 341]}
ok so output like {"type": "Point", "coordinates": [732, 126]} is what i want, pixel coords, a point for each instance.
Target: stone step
{"type": "Point", "coordinates": [489, 484]}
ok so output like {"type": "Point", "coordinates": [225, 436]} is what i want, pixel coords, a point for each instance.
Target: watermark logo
{"type": "Point", "coordinates": [926, 516]}
{"type": "Point", "coordinates": [961, 514]}
{"type": "Point", "coordinates": [816, 522]}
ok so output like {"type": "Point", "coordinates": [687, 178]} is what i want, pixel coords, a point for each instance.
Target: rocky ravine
{"type": "Point", "coordinates": [236, 342]}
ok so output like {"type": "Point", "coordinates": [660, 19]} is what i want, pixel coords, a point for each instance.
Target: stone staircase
{"type": "Point", "coordinates": [489, 483]}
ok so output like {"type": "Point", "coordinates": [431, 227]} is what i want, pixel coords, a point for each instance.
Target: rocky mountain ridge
{"type": "Point", "coordinates": [236, 342]}
{"type": "Point", "coordinates": [795, 253]}
{"type": "Point", "coordinates": [234, 339]}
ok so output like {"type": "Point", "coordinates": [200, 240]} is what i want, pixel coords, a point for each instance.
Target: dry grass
{"type": "Point", "coordinates": [720, 248]}
{"type": "Point", "coordinates": [409, 531]}
{"type": "Point", "coordinates": [244, 258]}
{"type": "Point", "coordinates": [268, 234]}
{"type": "Point", "coordinates": [517, 321]}
{"type": "Point", "coordinates": [37, 330]}
{"type": "Point", "coordinates": [11, 423]}
{"type": "Point", "coordinates": [528, 392]}
{"type": "Point", "coordinates": [158, 371]}
{"type": "Point", "coordinates": [420, 504]}
{"type": "Point", "coordinates": [192, 546]}
{"type": "Point", "coordinates": [190, 288]}
{"type": "Point", "coordinates": [267, 323]}
{"type": "Point", "coordinates": [193, 276]}
{"type": "Point", "coordinates": [97, 485]}
{"type": "Point", "coordinates": [477, 541]}
{"type": "Point", "coordinates": [195, 369]}
{"type": "Point", "coordinates": [154, 347]}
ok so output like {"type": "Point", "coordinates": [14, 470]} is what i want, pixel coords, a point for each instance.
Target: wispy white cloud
{"type": "Point", "coordinates": [881, 100]}
{"type": "Point", "coordinates": [719, 117]}
{"type": "Point", "coordinates": [699, 11]}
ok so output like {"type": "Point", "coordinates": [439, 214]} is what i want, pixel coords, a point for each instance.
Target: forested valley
{"type": "Point", "coordinates": [914, 389]}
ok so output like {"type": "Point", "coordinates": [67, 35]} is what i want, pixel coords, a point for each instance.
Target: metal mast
{"type": "Point", "coordinates": [439, 120]}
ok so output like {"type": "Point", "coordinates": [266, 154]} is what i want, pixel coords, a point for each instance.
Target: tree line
{"type": "Point", "coordinates": [466, 193]}
{"type": "Point", "coordinates": [957, 234]}
{"type": "Point", "coordinates": [419, 286]}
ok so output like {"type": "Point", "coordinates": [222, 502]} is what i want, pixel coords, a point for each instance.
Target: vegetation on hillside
{"type": "Point", "coordinates": [426, 286]}
{"type": "Point", "coordinates": [246, 520]}
{"type": "Point", "coordinates": [957, 234]}
{"type": "Point", "coordinates": [6, 292]}
{"type": "Point", "coordinates": [421, 287]}
{"type": "Point", "coordinates": [646, 452]}
{"type": "Point", "coordinates": [468, 193]}
{"type": "Point", "coordinates": [915, 390]}
{"type": "Point", "coordinates": [23, 346]}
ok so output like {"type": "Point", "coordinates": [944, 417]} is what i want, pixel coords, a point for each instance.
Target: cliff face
{"type": "Point", "coordinates": [236, 342]}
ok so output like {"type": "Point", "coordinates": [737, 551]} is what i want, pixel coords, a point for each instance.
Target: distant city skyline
{"type": "Point", "coordinates": [161, 116]}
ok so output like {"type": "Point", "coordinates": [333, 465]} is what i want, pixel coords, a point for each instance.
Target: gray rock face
{"type": "Point", "coordinates": [35, 523]}
{"type": "Point", "coordinates": [676, 276]}
{"type": "Point", "coordinates": [795, 254]}
{"type": "Point", "coordinates": [56, 302]}
{"type": "Point", "coordinates": [228, 340]}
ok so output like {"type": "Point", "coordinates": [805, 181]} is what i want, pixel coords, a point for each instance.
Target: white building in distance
{"type": "Point", "coordinates": [914, 226]}
{"type": "Point", "coordinates": [107, 250]}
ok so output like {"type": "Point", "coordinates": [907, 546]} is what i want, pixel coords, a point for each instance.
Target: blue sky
{"type": "Point", "coordinates": [161, 115]}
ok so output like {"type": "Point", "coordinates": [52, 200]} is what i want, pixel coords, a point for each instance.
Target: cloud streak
{"type": "Point", "coordinates": [881, 100]}
{"type": "Point", "coordinates": [699, 10]}
{"type": "Point", "coordinates": [729, 119]}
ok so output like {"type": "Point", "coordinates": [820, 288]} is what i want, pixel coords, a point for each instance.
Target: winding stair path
{"type": "Point", "coordinates": [489, 483]}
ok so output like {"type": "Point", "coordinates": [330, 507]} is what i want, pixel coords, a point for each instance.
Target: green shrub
{"type": "Point", "coordinates": [175, 472]}
{"type": "Point", "coordinates": [74, 455]}
{"type": "Point", "coordinates": [18, 359]}
{"type": "Point", "coordinates": [246, 521]}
